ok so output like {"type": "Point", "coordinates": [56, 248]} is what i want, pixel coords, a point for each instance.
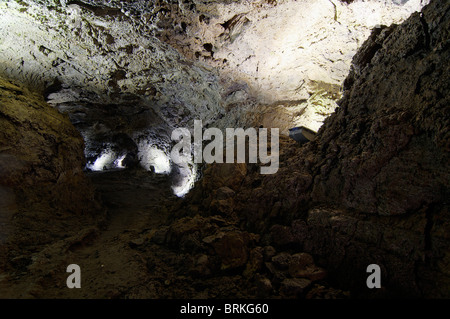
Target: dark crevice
{"type": "Point", "coordinates": [56, 86]}
{"type": "Point", "coordinates": [99, 11]}
{"type": "Point", "coordinates": [208, 47]}
{"type": "Point", "coordinates": [427, 235]}
{"type": "Point", "coordinates": [230, 24]}
{"type": "Point", "coordinates": [426, 31]}
{"type": "Point", "coordinates": [425, 75]}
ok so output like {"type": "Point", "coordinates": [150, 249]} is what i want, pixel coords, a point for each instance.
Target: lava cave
{"type": "Point", "coordinates": [96, 96]}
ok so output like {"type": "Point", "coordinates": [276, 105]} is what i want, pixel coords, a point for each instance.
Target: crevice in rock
{"type": "Point", "coordinates": [56, 86]}
{"type": "Point", "coordinates": [98, 10]}
{"type": "Point", "coordinates": [428, 234]}
{"type": "Point", "coordinates": [426, 31]}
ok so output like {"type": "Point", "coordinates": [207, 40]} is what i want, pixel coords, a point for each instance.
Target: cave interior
{"type": "Point", "coordinates": [95, 95]}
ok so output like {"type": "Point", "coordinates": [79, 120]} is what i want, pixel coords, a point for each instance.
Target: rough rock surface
{"type": "Point", "coordinates": [373, 186]}
{"type": "Point", "coordinates": [291, 56]}
{"type": "Point", "coordinates": [83, 54]}
{"type": "Point", "coordinates": [109, 76]}
{"type": "Point", "coordinates": [41, 175]}
{"type": "Point", "coordinates": [143, 252]}
{"type": "Point", "coordinates": [119, 57]}
{"type": "Point", "coordinates": [135, 70]}
{"type": "Point", "coordinates": [386, 151]}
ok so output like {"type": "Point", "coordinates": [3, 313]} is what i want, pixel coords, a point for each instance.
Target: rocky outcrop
{"type": "Point", "coordinates": [386, 153]}
{"type": "Point", "coordinates": [373, 186]}
{"type": "Point", "coordinates": [45, 195]}
{"type": "Point", "coordinates": [218, 256]}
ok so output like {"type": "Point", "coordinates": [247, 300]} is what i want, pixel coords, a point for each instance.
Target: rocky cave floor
{"type": "Point", "coordinates": [131, 254]}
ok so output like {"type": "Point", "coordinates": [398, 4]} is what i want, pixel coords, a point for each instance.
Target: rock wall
{"type": "Point", "coordinates": [290, 56]}
{"type": "Point", "coordinates": [373, 186]}
{"type": "Point", "coordinates": [135, 70]}
{"type": "Point", "coordinates": [43, 189]}
{"type": "Point", "coordinates": [386, 153]}
{"type": "Point", "coordinates": [117, 53]}
{"type": "Point", "coordinates": [82, 54]}
{"type": "Point", "coordinates": [94, 63]}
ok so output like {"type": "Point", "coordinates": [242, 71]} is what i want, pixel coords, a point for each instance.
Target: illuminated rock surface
{"type": "Point", "coordinates": [372, 187]}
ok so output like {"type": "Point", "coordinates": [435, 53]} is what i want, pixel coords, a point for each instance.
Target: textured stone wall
{"type": "Point", "coordinates": [373, 186]}
{"type": "Point", "coordinates": [136, 56]}
{"type": "Point", "coordinates": [43, 187]}
{"type": "Point", "coordinates": [386, 152]}
{"type": "Point", "coordinates": [383, 160]}
{"type": "Point", "coordinates": [110, 76]}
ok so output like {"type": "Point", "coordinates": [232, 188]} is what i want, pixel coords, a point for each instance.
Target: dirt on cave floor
{"type": "Point", "coordinates": [128, 257]}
